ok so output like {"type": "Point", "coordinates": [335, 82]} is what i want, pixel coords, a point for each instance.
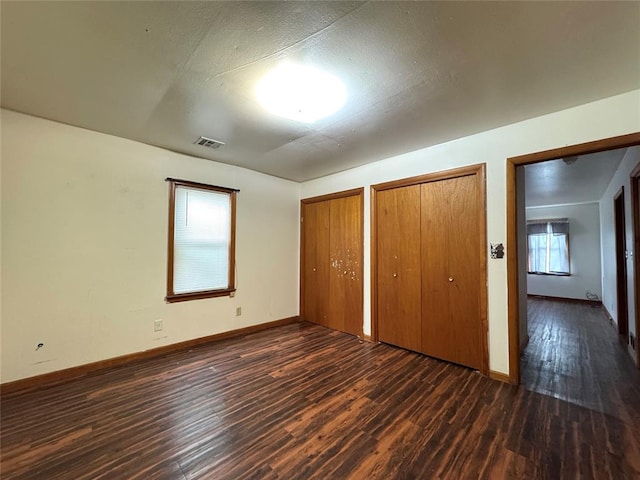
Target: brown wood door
{"type": "Point", "coordinates": [315, 226]}
{"type": "Point", "coordinates": [398, 267]}
{"type": "Point", "coordinates": [452, 249]}
{"type": "Point", "coordinates": [345, 265]}
{"type": "Point", "coordinates": [621, 267]}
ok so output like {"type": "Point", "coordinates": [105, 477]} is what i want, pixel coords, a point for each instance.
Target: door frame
{"type": "Point", "coordinates": [480, 171]}
{"type": "Point", "coordinates": [321, 198]}
{"type": "Point", "coordinates": [622, 293]}
{"type": "Point", "coordinates": [612, 143]}
{"type": "Point", "coordinates": [635, 215]}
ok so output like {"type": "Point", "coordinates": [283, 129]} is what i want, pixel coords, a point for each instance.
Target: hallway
{"type": "Point", "coordinates": [574, 355]}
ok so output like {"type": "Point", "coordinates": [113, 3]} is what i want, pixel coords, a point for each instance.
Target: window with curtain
{"type": "Point", "coordinates": [201, 241]}
{"type": "Point", "coordinates": [548, 246]}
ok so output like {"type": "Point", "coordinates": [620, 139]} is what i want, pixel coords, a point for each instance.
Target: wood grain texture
{"type": "Point", "coordinates": [398, 279]}
{"type": "Point", "coordinates": [452, 326]}
{"type": "Point", "coordinates": [332, 261]}
{"type": "Point", "coordinates": [305, 402]}
{"type": "Point", "coordinates": [430, 265]}
{"type": "Point", "coordinates": [345, 265]}
{"type": "Point", "coordinates": [315, 266]}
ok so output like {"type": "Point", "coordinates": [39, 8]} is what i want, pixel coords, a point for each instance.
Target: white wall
{"type": "Point", "coordinates": [584, 251]}
{"type": "Point", "coordinates": [84, 240]}
{"type": "Point", "coordinates": [606, 118]}
{"type": "Point", "coordinates": [607, 232]}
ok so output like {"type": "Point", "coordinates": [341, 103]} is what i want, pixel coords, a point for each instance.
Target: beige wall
{"type": "Point", "coordinates": [606, 118]}
{"type": "Point", "coordinates": [84, 239]}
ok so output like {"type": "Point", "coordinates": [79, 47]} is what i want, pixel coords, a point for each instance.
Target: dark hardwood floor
{"type": "Point", "coordinates": [301, 401]}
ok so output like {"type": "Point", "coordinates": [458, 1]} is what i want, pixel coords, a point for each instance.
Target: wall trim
{"type": "Point", "coordinates": [610, 317]}
{"type": "Point", "coordinates": [632, 354]}
{"type": "Point", "coordinates": [67, 374]}
{"type": "Point", "coordinates": [335, 195]}
{"type": "Point", "coordinates": [499, 376]}
{"type": "Point", "coordinates": [593, 303]}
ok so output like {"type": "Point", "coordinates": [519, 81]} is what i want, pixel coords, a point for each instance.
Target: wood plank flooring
{"type": "Point", "coordinates": [301, 402]}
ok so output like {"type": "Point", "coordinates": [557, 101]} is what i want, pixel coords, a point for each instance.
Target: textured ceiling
{"type": "Point", "coordinates": [417, 73]}
{"type": "Point", "coordinates": [556, 182]}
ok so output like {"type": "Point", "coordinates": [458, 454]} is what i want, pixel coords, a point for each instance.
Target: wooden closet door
{"type": "Point", "coordinates": [315, 225]}
{"type": "Point", "coordinates": [452, 210]}
{"type": "Point", "coordinates": [345, 265]}
{"type": "Point", "coordinates": [398, 267]}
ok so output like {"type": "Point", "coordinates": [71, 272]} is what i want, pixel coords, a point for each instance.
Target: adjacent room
{"type": "Point", "coordinates": [294, 240]}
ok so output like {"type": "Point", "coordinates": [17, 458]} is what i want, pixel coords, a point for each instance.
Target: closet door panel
{"type": "Point", "coordinates": [398, 267]}
{"type": "Point", "coordinates": [315, 225]}
{"type": "Point", "coordinates": [452, 325]}
{"type": "Point", "coordinates": [466, 211]}
{"type": "Point", "coordinates": [345, 254]}
{"type": "Point", "coordinates": [438, 334]}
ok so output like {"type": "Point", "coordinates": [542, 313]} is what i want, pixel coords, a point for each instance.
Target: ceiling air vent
{"type": "Point", "coordinates": [209, 142]}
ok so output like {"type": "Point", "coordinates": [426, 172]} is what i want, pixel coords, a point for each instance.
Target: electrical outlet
{"type": "Point", "coordinates": [157, 325]}
{"type": "Point", "coordinates": [238, 311]}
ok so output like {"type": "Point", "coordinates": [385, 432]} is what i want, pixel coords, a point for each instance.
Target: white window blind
{"type": "Point", "coordinates": [202, 234]}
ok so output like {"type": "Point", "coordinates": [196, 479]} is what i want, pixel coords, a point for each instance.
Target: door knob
{"type": "Point", "coordinates": [314, 269]}
{"type": "Point", "coordinates": [451, 279]}
{"type": "Point", "coordinates": [395, 275]}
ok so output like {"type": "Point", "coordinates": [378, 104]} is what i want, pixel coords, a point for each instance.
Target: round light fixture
{"type": "Point", "coordinates": [301, 93]}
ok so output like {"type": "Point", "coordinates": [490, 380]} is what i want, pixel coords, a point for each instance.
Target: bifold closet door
{"type": "Point", "coordinates": [331, 269]}
{"type": "Point", "coordinates": [345, 268]}
{"type": "Point", "coordinates": [451, 212]}
{"type": "Point", "coordinates": [316, 266]}
{"type": "Point", "coordinates": [398, 266]}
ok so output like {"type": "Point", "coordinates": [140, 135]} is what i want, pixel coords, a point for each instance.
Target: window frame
{"type": "Point", "coordinates": [567, 242]}
{"type": "Point", "coordinates": [171, 296]}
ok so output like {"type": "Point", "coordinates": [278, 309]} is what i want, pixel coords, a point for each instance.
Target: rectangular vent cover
{"type": "Point", "coordinates": [209, 142]}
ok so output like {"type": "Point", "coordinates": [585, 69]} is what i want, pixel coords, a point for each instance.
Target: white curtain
{"type": "Point", "coordinates": [548, 242]}
{"type": "Point", "coordinates": [538, 252]}
{"type": "Point", "coordinates": [558, 253]}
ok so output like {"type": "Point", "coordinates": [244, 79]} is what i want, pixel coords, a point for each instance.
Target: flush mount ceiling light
{"type": "Point", "coordinates": [301, 93]}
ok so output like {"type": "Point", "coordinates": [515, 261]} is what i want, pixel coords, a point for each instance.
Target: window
{"type": "Point", "coordinates": [548, 246]}
{"type": "Point", "coordinates": [201, 241]}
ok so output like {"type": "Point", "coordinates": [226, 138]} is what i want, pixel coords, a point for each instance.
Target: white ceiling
{"type": "Point", "coordinates": [417, 73]}
{"type": "Point", "coordinates": [557, 183]}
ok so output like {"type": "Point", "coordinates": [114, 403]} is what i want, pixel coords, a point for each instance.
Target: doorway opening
{"type": "Point", "coordinates": [514, 239]}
